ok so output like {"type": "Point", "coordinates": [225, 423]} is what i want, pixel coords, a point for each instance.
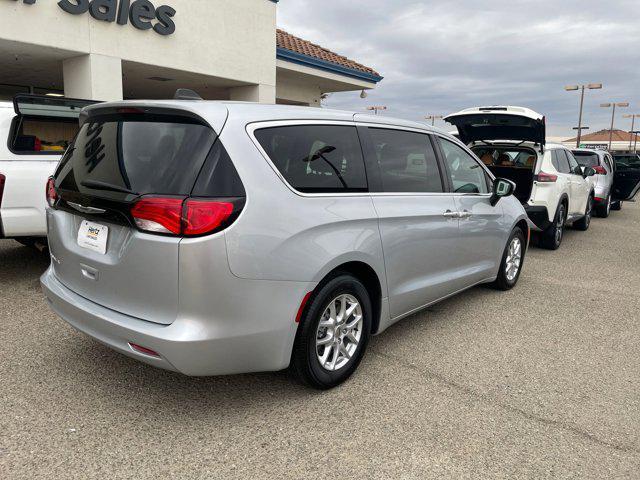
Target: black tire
{"type": "Point", "coordinates": [617, 206]}
{"type": "Point", "coordinates": [550, 238]}
{"type": "Point", "coordinates": [603, 211]}
{"type": "Point", "coordinates": [305, 363]}
{"type": "Point", "coordinates": [584, 223]}
{"type": "Point", "coordinates": [504, 282]}
{"type": "Point", "coordinates": [36, 243]}
{"type": "Point", "coordinates": [27, 241]}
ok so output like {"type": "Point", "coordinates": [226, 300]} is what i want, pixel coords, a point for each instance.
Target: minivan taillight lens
{"type": "Point", "coordinates": [600, 170]}
{"type": "Point", "coordinates": [547, 177]}
{"type": "Point", "coordinates": [158, 215]}
{"type": "Point", "coordinates": [177, 216]}
{"type": "Point", "coordinates": [52, 194]}
{"type": "Point", "coordinates": [204, 216]}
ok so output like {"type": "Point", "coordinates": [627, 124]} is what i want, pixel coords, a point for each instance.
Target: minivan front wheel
{"type": "Point", "coordinates": [333, 333]}
{"type": "Point", "coordinates": [512, 261]}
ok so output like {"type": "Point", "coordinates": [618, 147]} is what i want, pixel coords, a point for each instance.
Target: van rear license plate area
{"type": "Point", "coordinates": [93, 236]}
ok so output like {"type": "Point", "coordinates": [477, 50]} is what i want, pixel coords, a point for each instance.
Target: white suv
{"type": "Point", "coordinates": [551, 185]}
{"type": "Point", "coordinates": [35, 132]}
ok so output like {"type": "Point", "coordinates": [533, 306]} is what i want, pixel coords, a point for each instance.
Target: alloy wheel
{"type": "Point", "coordinates": [514, 259]}
{"type": "Point", "coordinates": [589, 211]}
{"type": "Point", "coordinates": [560, 225]}
{"type": "Point", "coordinates": [608, 205]}
{"type": "Point", "coordinates": [339, 332]}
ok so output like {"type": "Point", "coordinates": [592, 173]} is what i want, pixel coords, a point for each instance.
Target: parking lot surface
{"type": "Point", "coordinates": [539, 382]}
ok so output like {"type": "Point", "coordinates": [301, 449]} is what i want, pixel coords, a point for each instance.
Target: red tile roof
{"type": "Point", "coordinates": [603, 136]}
{"type": "Point", "coordinates": [295, 44]}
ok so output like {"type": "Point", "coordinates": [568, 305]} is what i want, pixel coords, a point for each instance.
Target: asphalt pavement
{"type": "Point", "coordinates": [539, 382]}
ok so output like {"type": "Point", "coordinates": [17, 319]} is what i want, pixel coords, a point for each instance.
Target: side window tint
{"type": "Point", "coordinates": [561, 162]}
{"type": "Point", "coordinates": [574, 167]}
{"type": "Point", "coordinates": [219, 177]}
{"type": "Point", "coordinates": [316, 158]}
{"type": "Point", "coordinates": [467, 176]}
{"type": "Point", "coordinates": [407, 161]}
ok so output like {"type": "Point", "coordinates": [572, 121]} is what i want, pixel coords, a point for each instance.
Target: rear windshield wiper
{"type": "Point", "coordinates": [94, 185]}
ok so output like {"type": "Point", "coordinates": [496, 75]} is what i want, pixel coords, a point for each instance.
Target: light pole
{"type": "Point", "coordinates": [433, 118]}
{"type": "Point", "coordinates": [377, 108]}
{"type": "Point", "coordinates": [613, 116]}
{"type": "Point", "coordinates": [572, 88]}
{"type": "Point", "coordinates": [633, 124]}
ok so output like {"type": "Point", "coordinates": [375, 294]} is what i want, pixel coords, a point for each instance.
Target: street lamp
{"type": "Point", "coordinates": [633, 124]}
{"type": "Point", "coordinates": [376, 108]}
{"type": "Point", "coordinates": [613, 116]}
{"type": "Point", "coordinates": [573, 88]}
{"type": "Point", "coordinates": [433, 118]}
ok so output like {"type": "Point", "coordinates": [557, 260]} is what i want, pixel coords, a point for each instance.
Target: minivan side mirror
{"type": "Point", "coordinates": [501, 188]}
{"type": "Point", "coordinates": [588, 172]}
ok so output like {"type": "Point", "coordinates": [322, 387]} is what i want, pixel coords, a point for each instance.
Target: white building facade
{"type": "Point", "coordinates": [115, 49]}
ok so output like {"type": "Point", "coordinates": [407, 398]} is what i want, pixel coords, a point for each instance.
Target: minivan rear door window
{"type": "Point", "coordinates": [316, 158]}
{"type": "Point", "coordinates": [407, 161]}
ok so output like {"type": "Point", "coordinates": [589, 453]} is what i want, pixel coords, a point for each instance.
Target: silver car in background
{"type": "Point", "coordinates": [602, 162]}
{"type": "Point", "coordinates": [216, 238]}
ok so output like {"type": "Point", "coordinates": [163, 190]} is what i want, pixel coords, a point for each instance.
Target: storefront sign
{"type": "Point", "coordinates": [595, 146]}
{"type": "Point", "coordinates": [141, 13]}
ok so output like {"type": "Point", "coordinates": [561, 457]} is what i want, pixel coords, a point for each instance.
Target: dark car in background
{"type": "Point", "coordinates": [627, 175]}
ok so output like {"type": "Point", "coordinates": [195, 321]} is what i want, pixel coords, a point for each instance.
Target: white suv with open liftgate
{"type": "Point", "coordinates": [553, 188]}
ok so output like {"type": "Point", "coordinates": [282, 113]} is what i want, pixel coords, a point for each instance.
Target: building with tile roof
{"type": "Point", "coordinates": [222, 50]}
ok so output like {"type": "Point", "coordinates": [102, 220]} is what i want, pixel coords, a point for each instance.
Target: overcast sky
{"type": "Point", "coordinates": [442, 56]}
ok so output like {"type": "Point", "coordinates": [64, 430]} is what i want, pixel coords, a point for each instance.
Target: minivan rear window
{"type": "Point", "coordinates": [135, 156]}
{"type": "Point", "coordinates": [316, 158]}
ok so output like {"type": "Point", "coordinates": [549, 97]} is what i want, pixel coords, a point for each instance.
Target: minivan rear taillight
{"type": "Point", "coordinates": [204, 216]}
{"type": "Point", "coordinates": [177, 216]}
{"type": "Point", "coordinates": [600, 170]}
{"type": "Point", "coordinates": [52, 194]}
{"type": "Point", "coordinates": [547, 177]}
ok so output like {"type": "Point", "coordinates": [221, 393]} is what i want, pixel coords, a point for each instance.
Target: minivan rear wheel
{"type": "Point", "coordinates": [333, 333]}
{"type": "Point", "coordinates": [512, 261]}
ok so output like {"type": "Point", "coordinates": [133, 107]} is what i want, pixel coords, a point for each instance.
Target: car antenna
{"type": "Point", "coordinates": [186, 94]}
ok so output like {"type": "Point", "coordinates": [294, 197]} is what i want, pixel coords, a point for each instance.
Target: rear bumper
{"type": "Point", "coordinates": [539, 215]}
{"type": "Point", "coordinates": [195, 347]}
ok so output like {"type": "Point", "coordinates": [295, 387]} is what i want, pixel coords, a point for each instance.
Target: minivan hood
{"type": "Point", "coordinates": [499, 123]}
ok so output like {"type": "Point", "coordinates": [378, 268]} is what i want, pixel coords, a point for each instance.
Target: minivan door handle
{"type": "Point", "coordinates": [465, 214]}
{"type": "Point", "coordinates": [450, 214]}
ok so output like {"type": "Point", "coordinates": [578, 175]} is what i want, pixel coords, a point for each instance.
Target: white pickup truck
{"type": "Point", "coordinates": [34, 133]}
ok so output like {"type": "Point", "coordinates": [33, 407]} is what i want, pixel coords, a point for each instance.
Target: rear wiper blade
{"type": "Point", "coordinates": [105, 187]}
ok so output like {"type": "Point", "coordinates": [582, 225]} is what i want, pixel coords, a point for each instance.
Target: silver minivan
{"type": "Point", "coordinates": [602, 163]}
{"type": "Point", "coordinates": [216, 238]}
